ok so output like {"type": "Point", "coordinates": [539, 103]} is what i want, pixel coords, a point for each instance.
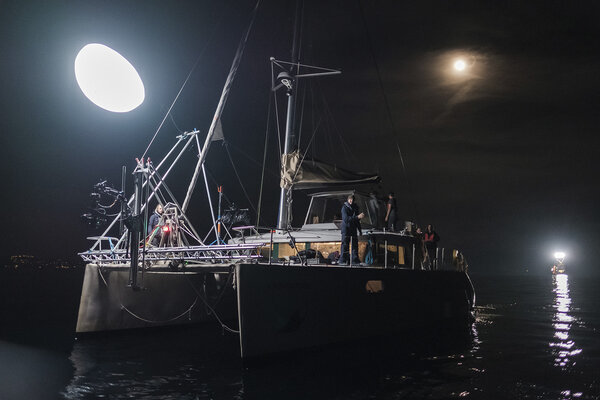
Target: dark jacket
{"type": "Point", "coordinates": [350, 221]}
{"type": "Point", "coordinates": [154, 220]}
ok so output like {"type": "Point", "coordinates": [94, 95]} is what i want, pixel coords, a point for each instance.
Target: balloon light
{"type": "Point", "coordinates": [108, 79]}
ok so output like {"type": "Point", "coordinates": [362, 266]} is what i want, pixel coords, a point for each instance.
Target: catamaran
{"type": "Point", "coordinates": [278, 288]}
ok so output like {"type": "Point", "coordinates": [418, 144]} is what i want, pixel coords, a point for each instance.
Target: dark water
{"type": "Point", "coordinates": [536, 337]}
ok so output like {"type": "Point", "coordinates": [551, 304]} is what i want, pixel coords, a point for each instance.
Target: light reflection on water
{"type": "Point", "coordinates": [563, 347]}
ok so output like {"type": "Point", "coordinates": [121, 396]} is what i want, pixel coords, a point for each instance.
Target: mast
{"type": "Point", "coordinates": [285, 195]}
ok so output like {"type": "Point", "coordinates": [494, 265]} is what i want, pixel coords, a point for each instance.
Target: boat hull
{"type": "Point", "coordinates": [165, 298]}
{"type": "Point", "coordinates": [285, 308]}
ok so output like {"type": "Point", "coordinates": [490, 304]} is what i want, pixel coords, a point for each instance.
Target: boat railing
{"type": "Point", "coordinates": [444, 259]}
{"type": "Point", "coordinates": [451, 259]}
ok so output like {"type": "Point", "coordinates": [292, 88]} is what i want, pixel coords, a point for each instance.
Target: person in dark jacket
{"type": "Point", "coordinates": [431, 238]}
{"type": "Point", "coordinates": [390, 215]}
{"type": "Point", "coordinates": [375, 210]}
{"type": "Point", "coordinates": [421, 252]}
{"type": "Point", "coordinates": [153, 222]}
{"type": "Point", "coordinates": [350, 227]}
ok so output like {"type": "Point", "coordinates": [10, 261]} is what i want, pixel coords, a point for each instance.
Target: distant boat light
{"type": "Point", "coordinates": [108, 79]}
{"type": "Point", "coordinates": [559, 255]}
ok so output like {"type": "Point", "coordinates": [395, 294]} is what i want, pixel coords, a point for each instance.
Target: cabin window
{"type": "Point", "coordinates": [395, 254]}
{"type": "Point", "coordinates": [285, 250]}
{"type": "Point", "coordinates": [325, 248]}
{"type": "Point", "coordinates": [329, 209]}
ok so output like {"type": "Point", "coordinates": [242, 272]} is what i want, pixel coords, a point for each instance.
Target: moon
{"type": "Point", "coordinates": [460, 65]}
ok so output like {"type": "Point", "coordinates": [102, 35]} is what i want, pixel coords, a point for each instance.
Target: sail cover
{"type": "Point", "coordinates": [313, 174]}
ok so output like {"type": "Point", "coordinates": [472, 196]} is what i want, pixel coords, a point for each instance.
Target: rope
{"type": "Point", "coordinates": [345, 146]}
{"type": "Point", "coordinates": [252, 160]}
{"type": "Point", "coordinates": [198, 296]}
{"type": "Point", "coordinates": [212, 309]}
{"type": "Point", "coordinates": [306, 151]}
{"type": "Point", "coordinates": [278, 128]}
{"type": "Point", "coordinates": [262, 175]}
{"type": "Point", "coordinates": [301, 115]}
{"type": "Point", "coordinates": [123, 307]}
{"type": "Point", "coordinates": [160, 322]}
{"type": "Point", "coordinates": [175, 125]}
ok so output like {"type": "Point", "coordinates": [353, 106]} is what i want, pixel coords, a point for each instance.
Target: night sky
{"type": "Point", "coordinates": [501, 159]}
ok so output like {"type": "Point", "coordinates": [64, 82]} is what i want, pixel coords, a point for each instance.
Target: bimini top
{"type": "Point", "coordinates": [313, 174]}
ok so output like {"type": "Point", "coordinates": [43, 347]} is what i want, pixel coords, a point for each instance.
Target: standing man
{"type": "Point", "coordinates": [390, 215]}
{"type": "Point", "coordinates": [374, 210]}
{"type": "Point", "coordinates": [421, 253]}
{"type": "Point", "coordinates": [431, 238]}
{"type": "Point", "coordinates": [350, 226]}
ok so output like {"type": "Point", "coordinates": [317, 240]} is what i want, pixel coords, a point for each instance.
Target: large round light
{"type": "Point", "coordinates": [108, 79]}
{"type": "Point", "coordinates": [559, 255]}
{"type": "Point", "coordinates": [460, 65]}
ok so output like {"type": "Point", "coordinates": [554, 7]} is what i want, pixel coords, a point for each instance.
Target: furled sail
{"type": "Point", "coordinates": [313, 174]}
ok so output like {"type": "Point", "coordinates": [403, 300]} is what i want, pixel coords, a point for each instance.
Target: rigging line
{"type": "Point", "coordinates": [301, 28]}
{"type": "Point", "coordinates": [297, 64]}
{"type": "Point", "coordinates": [159, 194]}
{"type": "Point", "coordinates": [312, 117]}
{"type": "Point", "coordinates": [276, 117]}
{"type": "Point", "coordinates": [301, 115]}
{"type": "Point", "coordinates": [256, 163]}
{"type": "Point", "coordinates": [226, 145]}
{"type": "Point", "coordinates": [345, 147]}
{"type": "Point", "coordinates": [262, 175]}
{"type": "Point", "coordinates": [306, 151]}
{"type": "Point", "coordinates": [183, 86]}
{"type": "Point", "coordinates": [174, 124]}
{"type": "Point", "coordinates": [297, 22]}
{"type": "Point", "coordinates": [387, 105]}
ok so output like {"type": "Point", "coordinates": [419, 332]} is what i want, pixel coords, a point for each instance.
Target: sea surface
{"type": "Point", "coordinates": [535, 337]}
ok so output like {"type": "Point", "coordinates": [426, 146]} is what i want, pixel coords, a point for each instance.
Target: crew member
{"type": "Point", "coordinates": [374, 210]}
{"type": "Point", "coordinates": [390, 215]}
{"type": "Point", "coordinates": [422, 253]}
{"type": "Point", "coordinates": [350, 226]}
{"type": "Point", "coordinates": [153, 222]}
{"type": "Point", "coordinates": [431, 239]}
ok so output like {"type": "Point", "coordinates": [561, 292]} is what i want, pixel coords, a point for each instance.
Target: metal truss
{"type": "Point", "coordinates": [240, 251]}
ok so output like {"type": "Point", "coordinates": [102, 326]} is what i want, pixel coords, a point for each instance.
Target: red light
{"type": "Point", "coordinates": [165, 228]}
